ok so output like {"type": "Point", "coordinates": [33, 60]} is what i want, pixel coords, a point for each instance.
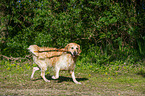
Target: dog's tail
{"type": "Point", "coordinates": [34, 49]}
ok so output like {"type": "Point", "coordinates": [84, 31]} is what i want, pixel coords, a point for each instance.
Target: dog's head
{"type": "Point", "coordinates": [73, 48]}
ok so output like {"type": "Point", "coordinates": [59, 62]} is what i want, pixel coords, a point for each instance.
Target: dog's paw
{"type": "Point", "coordinates": [31, 77]}
{"type": "Point", "coordinates": [47, 80]}
{"type": "Point", "coordinates": [78, 82]}
{"type": "Point", "coordinates": [53, 77]}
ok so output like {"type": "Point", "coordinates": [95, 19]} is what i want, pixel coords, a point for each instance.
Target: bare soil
{"type": "Point", "coordinates": [15, 83]}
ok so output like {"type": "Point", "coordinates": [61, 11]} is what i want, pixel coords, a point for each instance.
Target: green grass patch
{"type": "Point", "coordinates": [115, 78]}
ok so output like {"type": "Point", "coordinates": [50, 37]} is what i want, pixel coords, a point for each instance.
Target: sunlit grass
{"type": "Point", "coordinates": [120, 78]}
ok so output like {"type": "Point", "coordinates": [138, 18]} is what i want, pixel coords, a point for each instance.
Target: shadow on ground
{"type": "Point", "coordinates": [61, 79]}
{"type": "Point", "coordinates": [142, 73]}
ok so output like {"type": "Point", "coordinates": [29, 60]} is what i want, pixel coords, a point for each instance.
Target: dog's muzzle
{"type": "Point", "coordinates": [74, 53]}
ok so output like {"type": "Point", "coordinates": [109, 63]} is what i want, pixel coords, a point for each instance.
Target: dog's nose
{"type": "Point", "coordinates": [75, 53]}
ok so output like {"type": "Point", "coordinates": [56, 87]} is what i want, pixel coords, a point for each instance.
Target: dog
{"type": "Point", "coordinates": [59, 59]}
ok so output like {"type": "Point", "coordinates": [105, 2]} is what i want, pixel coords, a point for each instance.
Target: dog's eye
{"type": "Point", "coordinates": [72, 47]}
{"type": "Point", "coordinates": [77, 48]}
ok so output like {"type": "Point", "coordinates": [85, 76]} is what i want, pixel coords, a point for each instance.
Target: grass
{"type": "Point", "coordinates": [118, 79]}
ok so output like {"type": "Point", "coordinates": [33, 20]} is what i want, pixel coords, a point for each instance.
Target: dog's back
{"type": "Point", "coordinates": [44, 52]}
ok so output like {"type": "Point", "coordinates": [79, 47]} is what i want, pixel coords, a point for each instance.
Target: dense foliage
{"type": "Point", "coordinates": [106, 29]}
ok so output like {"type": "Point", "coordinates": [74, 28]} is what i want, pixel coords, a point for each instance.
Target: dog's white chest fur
{"type": "Point", "coordinates": [65, 63]}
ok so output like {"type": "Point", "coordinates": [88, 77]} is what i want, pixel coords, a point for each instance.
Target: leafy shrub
{"type": "Point", "coordinates": [106, 30]}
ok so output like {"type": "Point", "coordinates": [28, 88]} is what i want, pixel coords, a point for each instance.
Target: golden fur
{"type": "Point", "coordinates": [59, 59]}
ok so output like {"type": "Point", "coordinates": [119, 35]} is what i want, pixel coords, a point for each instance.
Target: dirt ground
{"type": "Point", "coordinates": [20, 84]}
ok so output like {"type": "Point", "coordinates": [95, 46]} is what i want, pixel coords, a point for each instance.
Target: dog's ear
{"type": "Point", "coordinates": [79, 50]}
{"type": "Point", "coordinates": [66, 47]}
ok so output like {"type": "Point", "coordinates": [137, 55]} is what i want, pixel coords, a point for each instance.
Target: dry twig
{"type": "Point", "coordinates": [13, 59]}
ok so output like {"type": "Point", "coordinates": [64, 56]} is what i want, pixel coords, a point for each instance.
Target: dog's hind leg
{"type": "Point", "coordinates": [56, 74]}
{"type": "Point", "coordinates": [34, 69]}
{"type": "Point", "coordinates": [43, 74]}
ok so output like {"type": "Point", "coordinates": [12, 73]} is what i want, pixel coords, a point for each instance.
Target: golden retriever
{"type": "Point", "coordinates": [59, 59]}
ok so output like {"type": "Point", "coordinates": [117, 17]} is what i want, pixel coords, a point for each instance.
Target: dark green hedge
{"type": "Point", "coordinates": [113, 27]}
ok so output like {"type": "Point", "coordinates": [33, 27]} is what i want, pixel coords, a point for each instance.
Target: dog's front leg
{"type": "Point", "coordinates": [73, 77]}
{"type": "Point", "coordinates": [56, 74]}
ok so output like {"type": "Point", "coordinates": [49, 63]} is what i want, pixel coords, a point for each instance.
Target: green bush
{"type": "Point", "coordinates": [115, 29]}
